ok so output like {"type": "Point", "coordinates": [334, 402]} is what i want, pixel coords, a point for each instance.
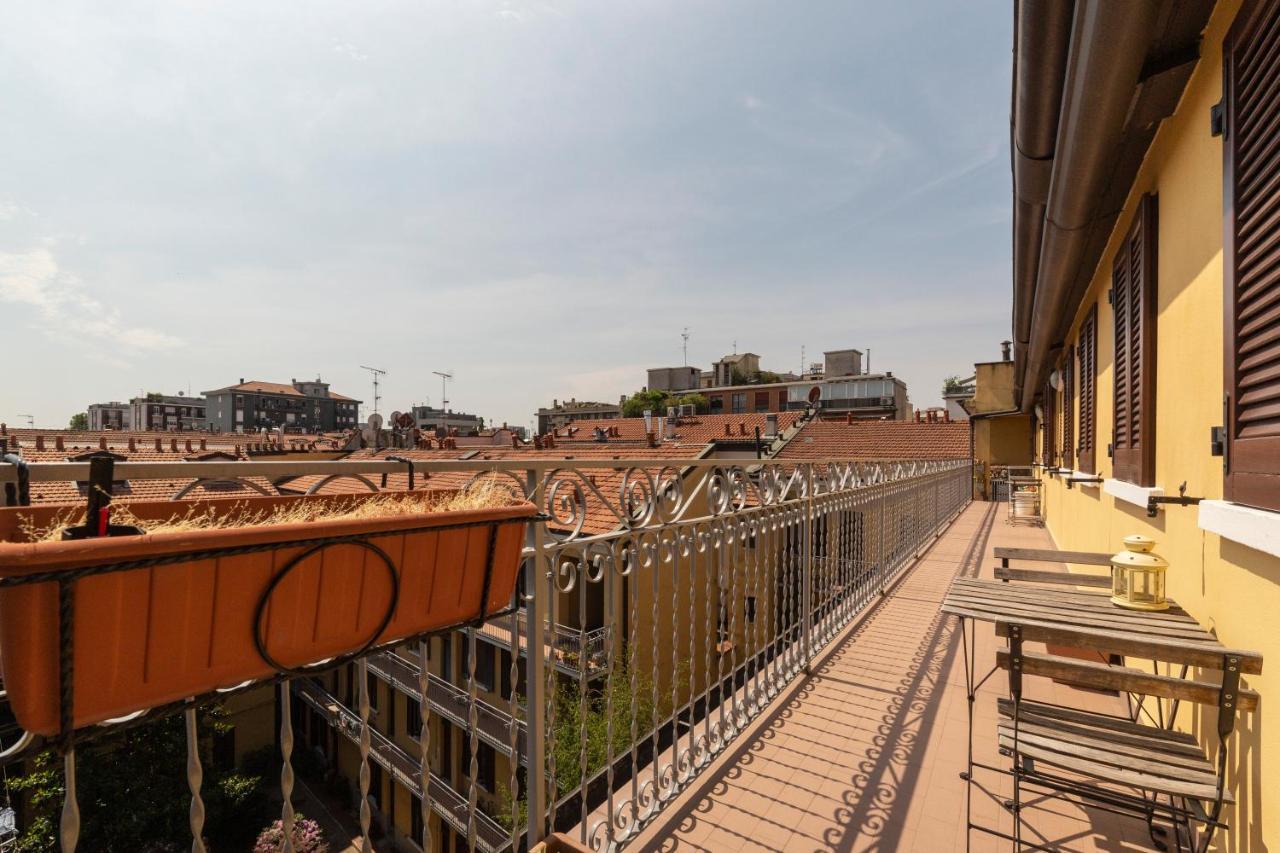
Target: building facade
{"type": "Point", "coordinates": [563, 413]}
{"type": "Point", "coordinates": [104, 416]}
{"type": "Point", "coordinates": [168, 413]}
{"type": "Point", "coordinates": [1150, 359]}
{"type": "Point", "coordinates": [866, 396]}
{"type": "Point", "coordinates": [674, 378]}
{"type": "Point", "coordinates": [440, 422]}
{"type": "Point", "coordinates": [297, 407]}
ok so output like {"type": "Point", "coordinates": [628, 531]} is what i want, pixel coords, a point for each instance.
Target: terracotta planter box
{"type": "Point", "coordinates": [150, 635]}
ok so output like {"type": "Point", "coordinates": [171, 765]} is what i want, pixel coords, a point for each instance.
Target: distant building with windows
{"type": "Point", "coordinates": [104, 416]}
{"type": "Point", "coordinates": [837, 387]}
{"type": "Point", "coordinates": [440, 421]}
{"type": "Point", "coordinates": [297, 407]}
{"type": "Point", "coordinates": [563, 413]}
{"type": "Point", "coordinates": [165, 412]}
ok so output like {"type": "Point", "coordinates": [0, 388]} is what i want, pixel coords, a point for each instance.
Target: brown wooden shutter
{"type": "Point", "coordinates": [1068, 409]}
{"type": "Point", "coordinates": [1252, 256]}
{"type": "Point", "coordinates": [1048, 429]}
{"type": "Point", "coordinates": [1133, 297]}
{"type": "Point", "coordinates": [1088, 355]}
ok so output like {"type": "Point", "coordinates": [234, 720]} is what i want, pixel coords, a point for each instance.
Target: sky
{"type": "Point", "coordinates": [534, 196]}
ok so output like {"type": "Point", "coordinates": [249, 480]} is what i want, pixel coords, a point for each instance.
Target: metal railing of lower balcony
{"type": "Point", "coordinates": [718, 584]}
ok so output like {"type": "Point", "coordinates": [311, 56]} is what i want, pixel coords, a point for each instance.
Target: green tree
{"type": "Point", "coordinates": [952, 384]}
{"type": "Point", "coordinates": [699, 402]}
{"type": "Point", "coordinates": [767, 377]}
{"type": "Point", "coordinates": [637, 403]}
{"type": "Point", "coordinates": [80, 420]}
{"type": "Point", "coordinates": [133, 792]}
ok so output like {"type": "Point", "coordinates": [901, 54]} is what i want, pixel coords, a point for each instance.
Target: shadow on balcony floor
{"type": "Point", "coordinates": [865, 755]}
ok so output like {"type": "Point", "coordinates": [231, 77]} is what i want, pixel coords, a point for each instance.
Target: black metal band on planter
{"type": "Point", "coordinates": [260, 642]}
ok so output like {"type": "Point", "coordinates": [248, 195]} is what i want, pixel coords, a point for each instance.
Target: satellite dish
{"type": "Point", "coordinates": [404, 420]}
{"type": "Point", "coordinates": [815, 394]}
{"type": "Point", "coordinates": [395, 418]}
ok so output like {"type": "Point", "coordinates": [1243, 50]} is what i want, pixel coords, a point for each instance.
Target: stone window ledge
{"type": "Point", "coordinates": [1256, 528]}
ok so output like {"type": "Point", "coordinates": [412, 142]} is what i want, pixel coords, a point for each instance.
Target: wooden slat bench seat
{"type": "Point", "coordinates": [1110, 749]}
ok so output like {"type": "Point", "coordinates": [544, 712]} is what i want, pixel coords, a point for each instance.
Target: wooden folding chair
{"type": "Point", "coordinates": [1118, 764]}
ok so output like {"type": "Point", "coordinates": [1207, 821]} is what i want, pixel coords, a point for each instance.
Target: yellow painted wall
{"type": "Point", "coordinates": [1231, 589]}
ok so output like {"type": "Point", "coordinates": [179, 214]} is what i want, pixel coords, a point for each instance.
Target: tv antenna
{"type": "Point", "coordinates": [802, 365]}
{"type": "Point", "coordinates": [685, 336]}
{"type": "Point", "coordinates": [31, 420]}
{"type": "Point", "coordinates": [445, 376]}
{"type": "Point", "coordinates": [377, 398]}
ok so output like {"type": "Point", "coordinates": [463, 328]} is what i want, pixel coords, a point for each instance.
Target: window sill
{"type": "Point", "coordinates": [1129, 493]}
{"type": "Point", "coordinates": [1257, 528]}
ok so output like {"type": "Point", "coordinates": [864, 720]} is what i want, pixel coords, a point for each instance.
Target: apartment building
{"type": "Point", "coordinates": [104, 416]}
{"type": "Point", "coordinates": [440, 422]}
{"type": "Point", "coordinates": [255, 406]}
{"type": "Point", "coordinates": [1147, 316]}
{"type": "Point", "coordinates": [167, 413]}
{"type": "Point", "coordinates": [561, 413]}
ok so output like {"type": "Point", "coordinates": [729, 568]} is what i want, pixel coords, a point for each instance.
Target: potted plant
{"type": "Point", "coordinates": [216, 593]}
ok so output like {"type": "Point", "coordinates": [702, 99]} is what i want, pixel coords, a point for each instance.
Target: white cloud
{"type": "Point", "coordinates": [349, 50]}
{"type": "Point", "coordinates": [65, 311]}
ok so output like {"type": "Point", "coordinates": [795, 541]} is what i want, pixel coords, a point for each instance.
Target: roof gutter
{"type": "Point", "coordinates": [1042, 43]}
{"type": "Point", "coordinates": [1108, 50]}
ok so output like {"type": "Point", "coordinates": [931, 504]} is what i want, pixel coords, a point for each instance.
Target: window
{"type": "Point", "coordinates": [1068, 408]}
{"type": "Point", "coordinates": [484, 663]}
{"type": "Point", "coordinates": [717, 405]}
{"type": "Point", "coordinates": [413, 719]}
{"type": "Point", "coordinates": [485, 774]}
{"type": "Point", "coordinates": [415, 821]}
{"type": "Point", "coordinates": [1133, 298]}
{"type": "Point", "coordinates": [762, 401]}
{"type": "Point", "coordinates": [371, 681]}
{"type": "Point", "coordinates": [1087, 353]}
{"type": "Point", "coordinates": [738, 403]}
{"type": "Point", "coordinates": [1252, 268]}
{"type": "Point", "coordinates": [446, 657]}
{"type": "Point", "coordinates": [1048, 453]}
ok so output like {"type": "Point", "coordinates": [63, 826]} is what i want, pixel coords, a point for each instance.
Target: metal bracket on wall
{"type": "Point", "coordinates": [1181, 499]}
{"type": "Point", "coordinates": [1072, 480]}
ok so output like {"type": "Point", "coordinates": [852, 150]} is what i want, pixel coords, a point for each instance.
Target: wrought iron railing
{"type": "Point", "coordinates": [707, 594]}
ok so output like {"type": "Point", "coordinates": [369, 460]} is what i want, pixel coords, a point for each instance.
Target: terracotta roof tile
{"type": "Point", "coordinates": [867, 439]}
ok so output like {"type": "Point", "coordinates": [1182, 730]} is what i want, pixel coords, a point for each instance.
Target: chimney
{"type": "Point", "coordinates": [57, 442]}
{"type": "Point", "coordinates": [537, 442]}
{"type": "Point", "coordinates": [946, 416]}
{"type": "Point", "coordinates": [848, 418]}
{"type": "Point", "coordinates": [159, 446]}
{"type": "Point", "coordinates": [203, 445]}
{"type": "Point", "coordinates": [742, 428]}
{"type": "Point", "coordinates": [133, 445]}
{"type": "Point", "coordinates": [188, 445]}
{"type": "Point", "coordinates": [515, 441]}
{"type": "Point", "coordinates": [102, 442]}
{"type": "Point", "coordinates": [241, 380]}
{"type": "Point", "coordinates": [671, 427]}
{"type": "Point", "coordinates": [728, 430]}
{"type": "Point", "coordinates": [39, 442]}
{"type": "Point", "coordinates": [917, 416]}
{"type": "Point", "coordinates": [651, 438]}
{"type": "Point", "coordinates": [173, 445]}
{"type": "Point", "coordinates": [1004, 350]}
{"type": "Point", "coordinates": [771, 426]}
